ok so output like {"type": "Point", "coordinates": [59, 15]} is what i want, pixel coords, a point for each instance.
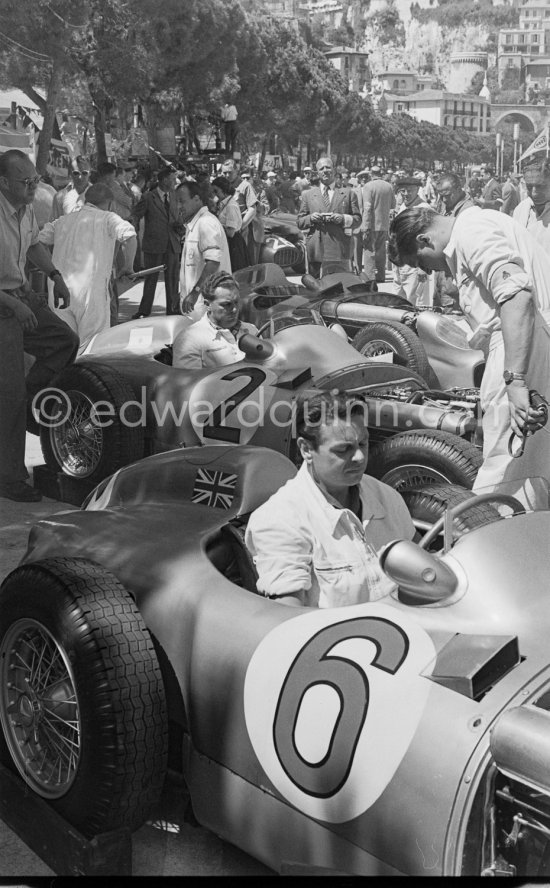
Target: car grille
{"type": "Point", "coordinates": [287, 256]}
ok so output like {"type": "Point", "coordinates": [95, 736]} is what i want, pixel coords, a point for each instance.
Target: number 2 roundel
{"type": "Point", "coordinates": [332, 700]}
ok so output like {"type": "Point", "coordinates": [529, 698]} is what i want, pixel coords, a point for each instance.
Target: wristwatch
{"type": "Point", "coordinates": [509, 376]}
{"type": "Point", "coordinates": [54, 273]}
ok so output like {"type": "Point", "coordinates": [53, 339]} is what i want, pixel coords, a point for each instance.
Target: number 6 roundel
{"type": "Point", "coordinates": [332, 700]}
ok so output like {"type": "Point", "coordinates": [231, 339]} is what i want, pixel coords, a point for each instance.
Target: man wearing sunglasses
{"type": "Point", "coordinates": [26, 323]}
{"type": "Point", "coordinates": [72, 197]}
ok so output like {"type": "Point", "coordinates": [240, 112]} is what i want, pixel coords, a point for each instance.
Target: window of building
{"type": "Point", "coordinates": [400, 106]}
{"type": "Point", "coordinates": [534, 38]}
{"type": "Point", "coordinates": [403, 84]}
{"type": "Point", "coordinates": [395, 84]}
{"type": "Point", "coordinates": [534, 49]}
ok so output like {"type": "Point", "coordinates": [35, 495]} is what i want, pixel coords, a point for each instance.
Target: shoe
{"type": "Point", "coordinates": [20, 492]}
{"type": "Point", "coordinates": [139, 315]}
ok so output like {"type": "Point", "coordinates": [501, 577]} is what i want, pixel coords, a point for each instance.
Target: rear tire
{"type": "Point", "coordinates": [82, 702]}
{"type": "Point", "coordinates": [418, 458]}
{"type": "Point", "coordinates": [381, 337]}
{"type": "Point", "coordinates": [428, 504]}
{"type": "Point", "coordinates": [81, 448]}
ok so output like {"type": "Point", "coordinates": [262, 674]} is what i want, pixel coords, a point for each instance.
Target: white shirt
{"type": "Point", "coordinates": [83, 250]}
{"type": "Point", "coordinates": [302, 543]}
{"type": "Point", "coordinates": [204, 239]}
{"type": "Point", "coordinates": [66, 201]}
{"type": "Point", "coordinates": [203, 344]}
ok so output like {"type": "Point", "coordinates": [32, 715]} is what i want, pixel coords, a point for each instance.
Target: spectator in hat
{"type": "Point", "coordinates": [124, 196]}
{"type": "Point", "coordinates": [229, 117]}
{"type": "Point", "coordinates": [378, 201]}
{"type": "Point", "coordinates": [412, 283]}
{"type": "Point", "coordinates": [305, 181]}
{"type": "Point", "coordinates": [71, 197]}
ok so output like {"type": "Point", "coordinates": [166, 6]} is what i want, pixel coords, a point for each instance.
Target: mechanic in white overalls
{"type": "Point", "coordinates": [412, 283]}
{"type": "Point", "coordinates": [503, 277]}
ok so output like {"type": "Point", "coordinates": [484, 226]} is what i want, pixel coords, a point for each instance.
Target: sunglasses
{"type": "Point", "coordinates": [78, 173]}
{"type": "Point", "coordinates": [31, 180]}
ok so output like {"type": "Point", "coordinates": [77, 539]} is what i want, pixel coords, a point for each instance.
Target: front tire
{"type": "Point", "coordinates": [380, 338]}
{"type": "Point", "coordinates": [419, 458]}
{"type": "Point", "coordinates": [82, 703]}
{"type": "Point", "coordinates": [83, 444]}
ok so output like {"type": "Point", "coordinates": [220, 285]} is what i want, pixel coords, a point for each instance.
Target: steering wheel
{"type": "Point", "coordinates": [502, 498]}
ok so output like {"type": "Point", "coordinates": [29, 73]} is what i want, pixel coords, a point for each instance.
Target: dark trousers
{"type": "Point", "coordinates": [230, 127]}
{"type": "Point", "coordinates": [171, 281]}
{"type": "Point", "coordinates": [54, 345]}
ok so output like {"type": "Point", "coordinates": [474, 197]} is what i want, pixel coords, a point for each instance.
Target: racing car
{"type": "Point", "coordinates": [433, 344]}
{"type": "Point", "coordinates": [121, 401]}
{"type": "Point", "coordinates": [406, 736]}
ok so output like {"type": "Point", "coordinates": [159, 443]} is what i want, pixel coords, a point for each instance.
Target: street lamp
{"type": "Point", "coordinates": [516, 140]}
{"type": "Point", "coordinates": [499, 146]}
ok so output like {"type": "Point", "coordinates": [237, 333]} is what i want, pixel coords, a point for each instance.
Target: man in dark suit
{"type": "Point", "coordinates": [161, 242]}
{"type": "Point", "coordinates": [328, 214]}
{"type": "Point", "coordinates": [491, 197]}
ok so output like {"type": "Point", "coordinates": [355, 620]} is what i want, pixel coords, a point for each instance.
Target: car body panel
{"type": "Point", "coordinates": [177, 405]}
{"type": "Point", "coordinates": [382, 804]}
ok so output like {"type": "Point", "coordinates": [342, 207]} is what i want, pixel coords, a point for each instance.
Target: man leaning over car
{"type": "Point", "coordinates": [315, 541]}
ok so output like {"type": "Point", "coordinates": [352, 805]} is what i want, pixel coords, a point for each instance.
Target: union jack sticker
{"type": "Point", "coordinates": [215, 489]}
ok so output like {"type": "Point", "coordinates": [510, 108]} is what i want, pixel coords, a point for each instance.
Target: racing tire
{"type": "Point", "coordinates": [422, 457]}
{"type": "Point", "coordinates": [79, 447]}
{"type": "Point", "coordinates": [381, 337]}
{"type": "Point", "coordinates": [82, 702]}
{"type": "Point", "coordinates": [427, 504]}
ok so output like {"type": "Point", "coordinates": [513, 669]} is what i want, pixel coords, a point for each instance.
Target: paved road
{"type": "Point", "coordinates": [167, 845]}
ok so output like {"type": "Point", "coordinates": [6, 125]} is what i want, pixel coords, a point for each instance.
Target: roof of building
{"type": "Point", "coordinates": [344, 50]}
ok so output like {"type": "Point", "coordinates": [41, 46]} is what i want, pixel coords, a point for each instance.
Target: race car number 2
{"type": "Point", "coordinates": [332, 700]}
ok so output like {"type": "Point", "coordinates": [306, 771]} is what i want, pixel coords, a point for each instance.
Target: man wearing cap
{"type": "Point", "coordinates": [305, 181]}
{"type": "Point", "coordinates": [71, 197]}
{"type": "Point", "coordinates": [378, 201]}
{"type": "Point", "coordinates": [328, 214]}
{"type": "Point", "coordinates": [413, 283]}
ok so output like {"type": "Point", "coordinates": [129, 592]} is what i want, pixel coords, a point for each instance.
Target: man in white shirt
{"type": "Point", "coordinates": [72, 197]}
{"type": "Point", "coordinates": [205, 248]}
{"type": "Point", "coordinates": [229, 117]}
{"type": "Point", "coordinates": [213, 340]}
{"type": "Point", "coordinates": [315, 541]}
{"type": "Point", "coordinates": [83, 249]}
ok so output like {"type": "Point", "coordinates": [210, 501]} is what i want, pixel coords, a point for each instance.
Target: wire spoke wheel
{"type": "Point", "coordinates": [378, 347]}
{"type": "Point", "coordinates": [405, 476]}
{"type": "Point", "coordinates": [39, 708]}
{"type": "Point", "coordinates": [78, 443]}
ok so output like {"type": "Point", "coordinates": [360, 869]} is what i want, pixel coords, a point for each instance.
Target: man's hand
{"type": "Point", "coordinates": [521, 412]}
{"type": "Point", "coordinates": [365, 235]}
{"type": "Point", "coordinates": [24, 315]}
{"type": "Point", "coordinates": [188, 303]}
{"type": "Point", "coordinates": [336, 219]}
{"type": "Point", "coordinates": [60, 292]}
{"type": "Point", "coordinates": [317, 219]}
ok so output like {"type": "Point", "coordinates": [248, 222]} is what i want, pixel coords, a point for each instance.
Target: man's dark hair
{"type": "Point", "coordinates": [223, 184]}
{"type": "Point", "coordinates": [404, 229]}
{"type": "Point", "coordinates": [164, 173]}
{"type": "Point", "coordinates": [98, 194]}
{"type": "Point", "coordinates": [218, 279]}
{"type": "Point", "coordinates": [317, 409]}
{"type": "Point", "coordinates": [197, 189]}
{"type": "Point", "coordinates": [106, 168]}
{"type": "Point", "coordinates": [451, 179]}
{"type": "Point", "coordinates": [7, 157]}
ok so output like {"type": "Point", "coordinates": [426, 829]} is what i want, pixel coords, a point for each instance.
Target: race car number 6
{"type": "Point", "coordinates": [332, 701]}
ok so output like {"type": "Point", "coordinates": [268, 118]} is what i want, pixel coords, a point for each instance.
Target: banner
{"type": "Point", "coordinates": [10, 138]}
{"type": "Point", "coordinates": [165, 140]}
{"type": "Point", "coordinates": [540, 144]}
{"type": "Point", "coordinates": [59, 162]}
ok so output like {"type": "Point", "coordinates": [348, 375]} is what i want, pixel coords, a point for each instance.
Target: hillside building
{"type": "Point", "coordinates": [470, 113]}
{"type": "Point", "coordinates": [526, 43]}
{"type": "Point", "coordinates": [352, 64]}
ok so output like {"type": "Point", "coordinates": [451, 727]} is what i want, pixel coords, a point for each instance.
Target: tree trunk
{"type": "Point", "coordinates": [102, 108]}
{"type": "Point", "coordinates": [49, 117]}
{"type": "Point", "coordinates": [263, 153]}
